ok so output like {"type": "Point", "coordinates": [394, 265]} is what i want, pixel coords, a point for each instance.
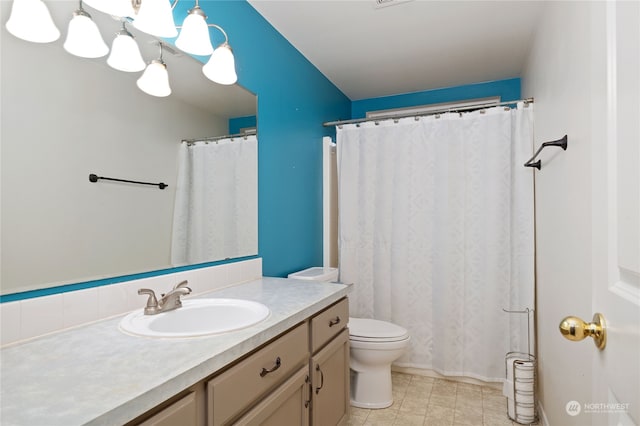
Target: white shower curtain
{"type": "Point", "coordinates": [436, 233]}
{"type": "Point", "coordinates": [215, 214]}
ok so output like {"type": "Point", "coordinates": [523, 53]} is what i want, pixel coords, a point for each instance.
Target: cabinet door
{"type": "Point", "coordinates": [287, 405]}
{"type": "Point", "coordinates": [330, 383]}
{"type": "Point", "coordinates": [181, 413]}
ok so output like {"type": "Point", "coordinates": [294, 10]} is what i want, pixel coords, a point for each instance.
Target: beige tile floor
{"type": "Point", "coordinates": [420, 400]}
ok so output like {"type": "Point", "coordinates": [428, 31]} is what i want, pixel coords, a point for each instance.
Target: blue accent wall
{"type": "Point", "coordinates": [508, 90]}
{"type": "Point", "coordinates": [237, 123]}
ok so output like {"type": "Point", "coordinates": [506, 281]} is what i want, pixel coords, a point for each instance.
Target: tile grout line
{"type": "Point", "coordinates": [396, 415]}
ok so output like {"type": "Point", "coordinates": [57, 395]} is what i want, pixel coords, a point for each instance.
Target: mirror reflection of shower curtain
{"type": "Point", "coordinates": [215, 214]}
{"type": "Point", "coordinates": [436, 231]}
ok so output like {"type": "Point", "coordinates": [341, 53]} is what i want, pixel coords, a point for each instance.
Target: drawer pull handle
{"type": "Point", "coordinates": [334, 321]}
{"type": "Point", "coordinates": [265, 371]}
{"type": "Point", "coordinates": [321, 379]}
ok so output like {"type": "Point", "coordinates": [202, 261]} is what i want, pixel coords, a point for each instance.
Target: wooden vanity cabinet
{"type": "Point", "coordinates": [299, 378]}
{"type": "Point", "coordinates": [330, 400]}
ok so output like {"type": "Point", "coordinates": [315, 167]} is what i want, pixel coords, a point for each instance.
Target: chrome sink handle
{"type": "Point", "coordinates": [167, 302]}
{"type": "Point", "coordinates": [172, 300]}
{"type": "Point", "coordinates": [152, 302]}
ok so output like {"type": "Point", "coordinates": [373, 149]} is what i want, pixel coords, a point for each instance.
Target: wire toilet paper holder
{"type": "Point", "coordinates": [522, 368]}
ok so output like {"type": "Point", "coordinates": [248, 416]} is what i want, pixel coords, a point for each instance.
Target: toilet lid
{"type": "Point", "coordinates": [364, 328]}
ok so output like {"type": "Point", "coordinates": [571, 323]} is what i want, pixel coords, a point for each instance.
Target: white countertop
{"type": "Point", "coordinates": [97, 375]}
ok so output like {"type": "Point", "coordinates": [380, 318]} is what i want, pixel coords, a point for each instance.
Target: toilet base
{"type": "Point", "coordinates": [372, 389]}
{"type": "Point", "coordinates": [370, 405]}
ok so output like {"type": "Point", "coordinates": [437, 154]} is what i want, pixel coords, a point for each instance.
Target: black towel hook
{"type": "Point", "coordinates": [562, 143]}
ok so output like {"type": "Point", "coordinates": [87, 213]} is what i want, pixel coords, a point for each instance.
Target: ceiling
{"type": "Point", "coordinates": [407, 46]}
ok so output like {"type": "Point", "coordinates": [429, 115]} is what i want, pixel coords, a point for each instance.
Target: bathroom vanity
{"type": "Point", "coordinates": [291, 368]}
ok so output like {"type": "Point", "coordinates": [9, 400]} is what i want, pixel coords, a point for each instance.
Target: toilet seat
{"type": "Point", "coordinates": [371, 330]}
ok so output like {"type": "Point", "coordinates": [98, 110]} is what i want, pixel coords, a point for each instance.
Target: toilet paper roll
{"type": "Point", "coordinates": [522, 386]}
{"type": "Point", "coordinates": [524, 375]}
{"type": "Point", "coordinates": [524, 398]}
{"type": "Point", "coordinates": [524, 369]}
{"type": "Point", "coordinates": [525, 395]}
{"type": "Point", "coordinates": [525, 413]}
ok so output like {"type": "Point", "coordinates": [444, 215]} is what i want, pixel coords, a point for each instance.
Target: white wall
{"type": "Point", "coordinates": [560, 76]}
{"type": "Point", "coordinates": [62, 118]}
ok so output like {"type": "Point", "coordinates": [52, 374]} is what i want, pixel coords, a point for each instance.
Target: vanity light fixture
{"type": "Point", "coordinates": [125, 53]}
{"type": "Point", "coordinates": [155, 79]}
{"type": "Point", "coordinates": [221, 67]}
{"type": "Point", "coordinates": [194, 39]}
{"type": "Point", "coordinates": [155, 17]}
{"type": "Point", "coordinates": [83, 37]}
{"type": "Point", "coordinates": [194, 35]}
{"type": "Point", "coordinates": [30, 20]}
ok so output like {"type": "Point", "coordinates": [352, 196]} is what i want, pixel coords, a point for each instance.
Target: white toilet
{"type": "Point", "coordinates": [374, 345]}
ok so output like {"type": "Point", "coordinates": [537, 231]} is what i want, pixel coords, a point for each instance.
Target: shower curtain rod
{"type": "Point", "coordinates": [425, 114]}
{"type": "Point", "coordinates": [218, 138]}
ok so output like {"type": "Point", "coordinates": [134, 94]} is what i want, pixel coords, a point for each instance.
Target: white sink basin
{"type": "Point", "coordinates": [197, 317]}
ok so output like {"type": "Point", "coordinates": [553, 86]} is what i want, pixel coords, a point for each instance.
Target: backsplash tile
{"type": "Point", "coordinates": [41, 315]}
{"type": "Point", "coordinates": [112, 300]}
{"type": "Point", "coordinates": [80, 307]}
{"type": "Point", "coordinates": [30, 318]}
{"type": "Point", "coordinates": [9, 322]}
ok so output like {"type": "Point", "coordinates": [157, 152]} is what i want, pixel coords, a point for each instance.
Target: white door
{"type": "Point", "coordinates": [616, 216]}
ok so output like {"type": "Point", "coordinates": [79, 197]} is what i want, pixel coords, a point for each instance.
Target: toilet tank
{"type": "Point", "coordinates": [317, 273]}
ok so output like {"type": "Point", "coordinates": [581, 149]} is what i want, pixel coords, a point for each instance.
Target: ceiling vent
{"type": "Point", "coordinates": [378, 4]}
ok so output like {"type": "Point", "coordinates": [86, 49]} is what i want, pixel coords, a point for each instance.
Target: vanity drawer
{"type": "Point", "coordinates": [329, 323]}
{"type": "Point", "coordinates": [237, 388]}
{"type": "Point", "coordinates": [182, 412]}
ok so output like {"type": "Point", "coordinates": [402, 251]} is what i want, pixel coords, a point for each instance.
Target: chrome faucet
{"type": "Point", "coordinates": [167, 302]}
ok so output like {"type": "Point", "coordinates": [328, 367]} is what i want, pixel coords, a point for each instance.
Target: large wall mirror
{"type": "Point", "coordinates": [64, 118]}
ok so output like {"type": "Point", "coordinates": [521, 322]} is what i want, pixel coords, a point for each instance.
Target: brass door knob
{"type": "Point", "coordinates": [575, 329]}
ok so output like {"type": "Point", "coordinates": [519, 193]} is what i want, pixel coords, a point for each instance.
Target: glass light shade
{"type": "Point", "coordinates": [113, 7]}
{"type": "Point", "coordinates": [155, 17]}
{"type": "Point", "coordinates": [221, 67]}
{"type": "Point", "coordinates": [83, 37]}
{"type": "Point", "coordinates": [194, 35]}
{"type": "Point", "coordinates": [155, 80]}
{"type": "Point", "coordinates": [30, 20]}
{"type": "Point", "coordinates": [125, 54]}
